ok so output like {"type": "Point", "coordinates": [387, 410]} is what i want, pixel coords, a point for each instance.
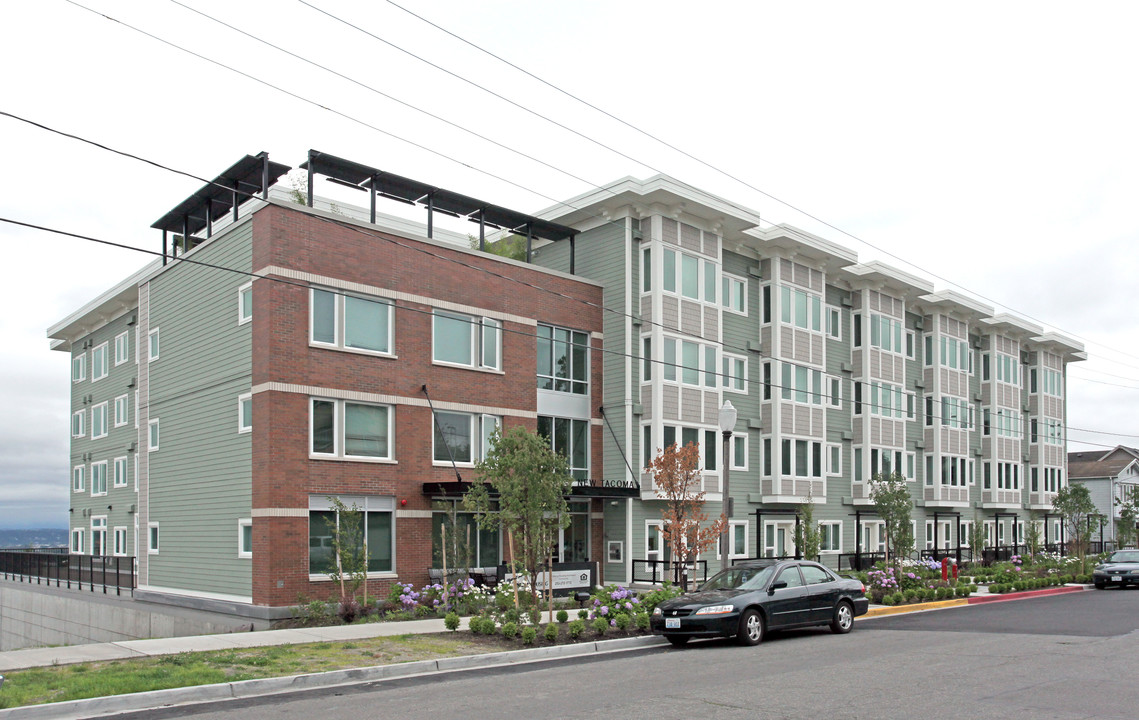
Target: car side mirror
{"type": "Point", "coordinates": [778, 585]}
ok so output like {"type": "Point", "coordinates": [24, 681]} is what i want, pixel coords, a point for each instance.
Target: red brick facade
{"type": "Point", "coordinates": [284, 476]}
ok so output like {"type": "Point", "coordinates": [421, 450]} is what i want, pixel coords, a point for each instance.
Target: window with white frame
{"type": "Point", "coordinates": [79, 367]}
{"type": "Point", "coordinates": [1008, 369]}
{"type": "Point", "coordinates": [99, 363]}
{"type": "Point", "coordinates": [684, 272]}
{"type": "Point", "coordinates": [737, 539]}
{"type": "Point", "coordinates": [462, 437]}
{"type": "Point", "coordinates": [802, 458]}
{"type": "Point", "coordinates": [734, 294]}
{"type": "Point", "coordinates": [646, 268]}
{"type": "Point", "coordinates": [911, 344]}
{"type": "Point", "coordinates": [646, 359]}
{"type": "Point", "coordinates": [99, 536]}
{"type": "Point", "coordinates": [801, 308]}
{"type": "Point", "coordinates": [99, 478]}
{"type": "Point", "coordinates": [802, 384]}
{"type": "Point", "coordinates": [245, 413]}
{"type": "Point", "coordinates": [77, 428]}
{"type": "Point", "coordinates": [954, 353]}
{"type": "Point", "coordinates": [120, 542]}
{"type": "Point", "coordinates": [739, 444]}
{"type": "Point", "coordinates": [152, 435]}
{"type": "Point", "coordinates": [831, 536]}
{"type": "Point", "coordinates": [152, 345]}
{"type": "Point", "coordinates": [245, 538]}
{"type": "Point", "coordinates": [911, 467]}
{"type": "Point", "coordinates": [569, 438]}
{"type": "Point", "coordinates": [349, 430]}
{"type": "Point", "coordinates": [885, 462]}
{"type": "Point", "coordinates": [1051, 382]}
{"type": "Point", "coordinates": [834, 459]}
{"type": "Point", "coordinates": [873, 536]}
{"type": "Point", "coordinates": [563, 360]}
{"type": "Point", "coordinates": [466, 340]}
{"type": "Point", "coordinates": [77, 541]}
{"type": "Point", "coordinates": [734, 373]}
{"type": "Point", "coordinates": [964, 532]}
{"type": "Point", "coordinates": [136, 408]}
{"type": "Point", "coordinates": [834, 322]}
{"type": "Point", "coordinates": [954, 471]}
{"type": "Point", "coordinates": [122, 347]}
{"type": "Point", "coordinates": [378, 525]}
{"type": "Point", "coordinates": [152, 538]}
{"type": "Point", "coordinates": [122, 410]}
{"type": "Point", "coordinates": [99, 421]}
{"type": "Point", "coordinates": [245, 303]}
{"type": "Point", "coordinates": [350, 322]}
{"type": "Point", "coordinates": [886, 333]}
{"type": "Point", "coordinates": [120, 471]}
{"type": "Point", "coordinates": [927, 356]}
{"type": "Point", "coordinates": [886, 400]}
{"type": "Point", "coordinates": [709, 449]}
{"type": "Point", "coordinates": [78, 474]}
{"type": "Point", "coordinates": [955, 412]}
{"type": "Point", "coordinates": [693, 363]}
{"type": "Point", "coordinates": [835, 395]}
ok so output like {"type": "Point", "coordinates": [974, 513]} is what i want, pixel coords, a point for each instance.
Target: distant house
{"type": "Point", "coordinates": [1109, 476]}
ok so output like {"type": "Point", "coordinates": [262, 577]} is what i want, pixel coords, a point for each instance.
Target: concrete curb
{"type": "Point", "coordinates": [881, 610]}
{"type": "Point", "coordinates": [294, 683]}
{"type": "Point", "coordinates": [1001, 597]}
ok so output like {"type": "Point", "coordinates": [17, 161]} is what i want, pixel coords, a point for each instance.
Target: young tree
{"type": "Point", "coordinates": [676, 475]}
{"type": "Point", "coordinates": [891, 496]}
{"type": "Point", "coordinates": [977, 539]}
{"type": "Point", "coordinates": [1074, 504]}
{"type": "Point", "coordinates": [349, 554]}
{"type": "Point", "coordinates": [1128, 516]}
{"type": "Point", "coordinates": [532, 482]}
{"type": "Point", "coordinates": [808, 538]}
{"type": "Point", "coordinates": [1032, 535]}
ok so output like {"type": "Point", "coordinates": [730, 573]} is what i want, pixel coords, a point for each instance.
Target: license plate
{"type": "Point", "coordinates": [1116, 578]}
{"type": "Point", "coordinates": [672, 623]}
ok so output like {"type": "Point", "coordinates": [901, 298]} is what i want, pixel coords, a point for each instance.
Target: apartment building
{"type": "Point", "coordinates": [371, 357]}
{"type": "Point", "coordinates": [1112, 478]}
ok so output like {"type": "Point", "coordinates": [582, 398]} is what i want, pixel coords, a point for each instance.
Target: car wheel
{"type": "Point", "coordinates": [843, 618]}
{"type": "Point", "coordinates": [751, 628]}
{"type": "Point", "coordinates": [1100, 585]}
{"type": "Point", "coordinates": [677, 640]}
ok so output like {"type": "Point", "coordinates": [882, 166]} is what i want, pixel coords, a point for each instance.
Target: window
{"type": "Point", "coordinates": [834, 459]}
{"type": "Point", "coordinates": [120, 472]}
{"type": "Point", "coordinates": [466, 340]}
{"type": "Point", "coordinates": [802, 458]}
{"type": "Point", "coordinates": [377, 520]}
{"type": "Point", "coordinates": [99, 478]}
{"type": "Point", "coordinates": [831, 540]}
{"type": "Point", "coordinates": [245, 303]}
{"type": "Point", "coordinates": [245, 538]}
{"type": "Point", "coordinates": [835, 395]}
{"type": "Point", "coordinates": [646, 270]}
{"type": "Point", "coordinates": [647, 360]}
{"type": "Point", "coordinates": [152, 435]}
{"type": "Point", "coordinates": [79, 367]}
{"type": "Point", "coordinates": [735, 372]}
{"type": "Point", "coordinates": [99, 421]}
{"type": "Point", "coordinates": [484, 542]}
{"type": "Point", "coordinates": [928, 354]}
{"type": "Point", "coordinates": [152, 345]}
{"type": "Point", "coordinates": [857, 397]}
{"type": "Point", "coordinates": [886, 333]}
{"type": "Point", "coordinates": [886, 400]}
{"type": "Point", "coordinates": [349, 322]}
{"type": "Point", "coordinates": [463, 437]}
{"type": "Point", "coordinates": [77, 480]}
{"type": "Point", "coordinates": [834, 323]}
{"type": "Point", "coordinates": [341, 429]}
{"type": "Point", "coordinates": [696, 361]}
{"type": "Point", "coordinates": [954, 471]}
{"type": "Point", "coordinates": [563, 360]}
{"type": "Point", "coordinates": [766, 304]}
{"type": "Point", "coordinates": [734, 293]}
{"type": "Point", "coordinates": [77, 541]}
{"type": "Point", "coordinates": [99, 364]}
{"type": "Point", "coordinates": [737, 539]}
{"type": "Point", "coordinates": [800, 308]}
{"type": "Point", "coordinates": [99, 536]}
{"type": "Point", "coordinates": [1051, 382]}
{"type": "Point", "coordinates": [120, 548]}
{"type": "Point", "coordinates": [739, 451]}
{"type": "Point", "coordinates": [570, 439]}
{"type": "Point", "coordinates": [695, 283]}
{"type": "Point", "coordinates": [857, 325]}
{"type": "Point", "coordinates": [802, 384]}
{"type": "Point", "coordinates": [77, 429]}
{"type": "Point", "coordinates": [122, 347]}
{"type": "Point", "coordinates": [1008, 369]}
{"type": "Point", "coordinates": [911, 467]}
{"type": "Point", "coordinates": [885, 462]}
{"type": "Point", "coordinates": [766, 381]}
{"type": "Point", "coordinates": [122, 410]}
{"type": "Point", "coordinates": [152, 538]}
{"type": "Point", "coordinates": [954, 354]}
{"type": "Point", "coordinates": [910, 344]}
{"type": "Point", "coordinates": [767, 457]}
{"type": "Point", "coordinates": [245, 413]}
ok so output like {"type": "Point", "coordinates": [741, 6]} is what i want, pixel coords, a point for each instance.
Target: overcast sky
{"type": "Point", "coordinates": [993, 144]}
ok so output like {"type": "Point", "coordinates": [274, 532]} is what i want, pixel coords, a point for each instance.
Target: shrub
{"type": "Point", "coordinates": [552, 633]}
{"type": "Point", "coordinates": [535, 615]}
{"type": "Point", "coordinates": [451, 621]}
{"type": "Point", "coordinates": [563, 616]}
{"type": "Point", "coordinates": [642, 620]}
{"type": "Point", "coordinates": [583, 614]}
{"type": "Point", "coordinates": [888, 599]}
{"type": "Point", "coordinates": [529, 634]}
{"type": "Point", "coordinates": [600, 625]}
{"type": "Point", "coordinates": [624, 620]}
{"type": "Point", "coordinates": [911, 595]}
{"type": "Point", "coordinates": [576, 628]}
{"type": "Point", "coordinates": [510, 630]}
{"type": "Point", "coordinates": [512, 615]}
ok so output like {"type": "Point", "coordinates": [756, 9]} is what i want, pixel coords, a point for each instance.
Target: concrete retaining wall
{"type": "Point", "coordinates": [37, 616]}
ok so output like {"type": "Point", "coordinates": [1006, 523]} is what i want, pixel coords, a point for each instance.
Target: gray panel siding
{"type": "Point", "coordinates": [203, 462]}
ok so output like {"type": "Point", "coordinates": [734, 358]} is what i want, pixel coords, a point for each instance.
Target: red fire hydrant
{"type": "Point", "coordinates": [945, 569]}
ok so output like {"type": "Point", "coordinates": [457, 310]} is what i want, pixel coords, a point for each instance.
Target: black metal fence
{"type": "Point", "coordinates": [657, 571]}
{"type": "Point", "coordinates": [860, 560]}
{"type": "Point", "coordinates": [84, 572]}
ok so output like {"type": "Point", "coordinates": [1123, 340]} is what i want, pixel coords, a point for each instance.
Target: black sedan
{"type": "Point", "coordinates": [1120, 568]}
{"type": "Point", "coordinates": [752, 597]}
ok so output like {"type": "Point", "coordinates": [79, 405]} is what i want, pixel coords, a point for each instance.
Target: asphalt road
{"type": "Point", "coordinates": [1063, 656]}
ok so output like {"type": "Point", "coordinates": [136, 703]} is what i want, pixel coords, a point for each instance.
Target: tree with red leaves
{"type": "Point", "coordinates": [677, 478]}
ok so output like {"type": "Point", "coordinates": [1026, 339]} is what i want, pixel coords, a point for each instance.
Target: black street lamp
{"type": "Point", "coordinates": [727, 424]}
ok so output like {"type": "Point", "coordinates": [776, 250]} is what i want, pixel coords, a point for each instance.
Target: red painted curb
{"type": "Point", "coordinates": [1022, 595]}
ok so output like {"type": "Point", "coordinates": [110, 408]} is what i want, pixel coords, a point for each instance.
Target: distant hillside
{"type": "Point", "coordinates": [38, 537]}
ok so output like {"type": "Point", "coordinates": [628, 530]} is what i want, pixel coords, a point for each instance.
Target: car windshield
{"type": "Point", "coordinates": [1124, 556]}
{"type": "Point", "coordinates": [739, 578]}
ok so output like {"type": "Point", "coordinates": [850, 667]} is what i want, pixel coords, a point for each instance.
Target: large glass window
{"type": "Point", "coordinates": [569, 438]}
{"type": "Point", "coordinates": [886, 333]}
{"type": "Point", "coordinates": [563, 360]}
{"type": "Point", "coordinates": [734, 294]}
{"type": "Point", "coordinates": [376, 532]}
{"type": "Point", "coordinates": [466, 340]}
{"type": "Point", "coordinates": [801, 309]}
{"type": "Point", "coordinates": [351, 430]}
{"type": "Point", "coordinates": [458, 534]}
{"type": "Point", "coordinates": [99, 478]}
{"type": "Point", "coordinates": [99, 421]}
{"type": "Point", "coordinates": [802, 458]}
{"type": "Point", "coordinates": [802, 384]}
{"type": "Point", "coordinates": [463, 437]}
{"type": "Point", "coordinates": [99, 362]}
{"type": "Point", "coordinates": [351, 322]}
{"type": "Point", "coordinates": [735, 372]}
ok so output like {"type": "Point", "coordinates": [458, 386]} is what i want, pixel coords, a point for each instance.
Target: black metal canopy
{"type": "Point", "coordinates": [251, 175]}
{"type": "Point", "coordinates": [598, 489]}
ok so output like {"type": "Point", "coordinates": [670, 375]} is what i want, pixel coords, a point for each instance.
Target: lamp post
{"type": "Point", "coordinates": [727, 424]}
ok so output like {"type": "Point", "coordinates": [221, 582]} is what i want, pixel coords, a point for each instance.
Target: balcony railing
{"type": "Point", "coordinates": [83, 572]}
{"type": "Point", "coordinates": [658, 571]}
